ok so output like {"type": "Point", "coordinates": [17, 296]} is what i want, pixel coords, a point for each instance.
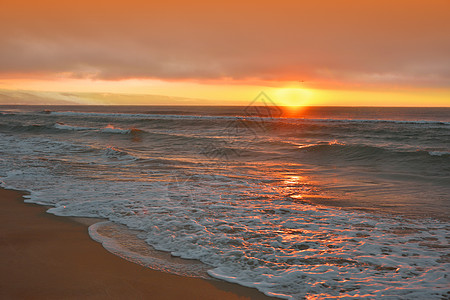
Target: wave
{"type": "Point", "coordinates": [15, 127]}
{"type": "Point", "coordinates": [420, 164]}
{"type": "Point", "coordinates": [244, 117]}
{"type": "Point", "coordinates": [107, 129]}
{"type": "Point", "coordinates": [365, 151]}
{"type": "Point", "coordinates": [116, 153]}
{"type": "Point", "coordinates": [380, 121]}
{"type": "Point", "coordinates": [439, 153]}
{"type": "Point", "coordinates": [7, 114]}
{"type": "Point", "coordinates": [216, 140]}
{"type": "Point", "coordinates": [112, 129]}
{"type": "Point", "coordinates": [133, 132]}
{"type": "Point", "coordinates": [66, 127]}
{"type": "Point", "coordinates": [70, 127]}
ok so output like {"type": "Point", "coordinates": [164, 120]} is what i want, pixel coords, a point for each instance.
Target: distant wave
{"type": "Point", "coordinates": [324, 148]}
{"type": "Point", "coordinates": [378, 121]}
{"type": "Point", "coordinates": [24, 128]}
{"type": "Point", "coordinates": [69, 127]}
{"type": "Point", "coordinates": [139, 116]}
{"type": "Point", "coordinates": [439, 153]}
{"type": "Point", "coordinates": [107, 129]}
{"type": "Point", "coordinates": [248, 118]}
{"type": "Point", "coordinates": [66, 127]}
{"type": "Point", "coordinates": [116, 153]}
{"type": "Point", "coordinates": [112, 129]}
{"type": "Point", "coordinates": [356, 151]}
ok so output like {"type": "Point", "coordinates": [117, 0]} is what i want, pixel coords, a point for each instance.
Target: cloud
{"type": "Point", "coordinates": [25, 97]}
{"type": "Point", "coordinates": [43, 98]}
{"type": "Point", "coordinates": [324, 42]}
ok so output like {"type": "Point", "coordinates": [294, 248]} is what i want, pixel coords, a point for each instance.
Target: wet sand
{"type": "Point", "coordinates": [48, 257]}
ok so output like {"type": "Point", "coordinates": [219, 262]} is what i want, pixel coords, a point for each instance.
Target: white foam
{"type": "Point", "coordinates": [438, 153]}
{"type": "Point", "coordinates": [112, 129]}
{"type": "Point", "coordinates": [123, 242]}
{"type": "Point", "coordinates": [106, 129]}
{"type": "Point", "coordinates": [69, 127]}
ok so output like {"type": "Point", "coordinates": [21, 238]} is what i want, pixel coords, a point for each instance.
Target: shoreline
{"type": "Point", "coordinates": [52, 257]}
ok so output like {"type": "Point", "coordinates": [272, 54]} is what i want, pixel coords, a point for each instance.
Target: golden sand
{"type": "Point", "coordinates": [48, 257]}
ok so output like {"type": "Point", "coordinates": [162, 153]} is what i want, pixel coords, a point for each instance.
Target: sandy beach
{"type": "Point", "coordinates": [48, 257]}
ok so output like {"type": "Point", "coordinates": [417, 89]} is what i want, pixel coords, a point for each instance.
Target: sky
{"type": "Point", "coordinates": [321, 52]}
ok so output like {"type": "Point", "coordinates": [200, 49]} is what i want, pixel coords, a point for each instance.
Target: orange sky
{"type": "Point", "coordinates": [322, 52]}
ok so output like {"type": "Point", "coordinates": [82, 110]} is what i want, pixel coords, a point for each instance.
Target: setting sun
{"type": "Point", "coordinates": [293, 96]}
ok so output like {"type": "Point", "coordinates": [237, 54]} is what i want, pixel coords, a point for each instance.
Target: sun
{"type": "Point", "coordinates": [293, 100]}
{"type": "Point", "coordinates": [292, 96]}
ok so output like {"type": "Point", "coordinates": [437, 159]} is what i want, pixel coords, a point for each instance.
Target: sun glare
{"type": "Point", "coordinates": [293, 97]}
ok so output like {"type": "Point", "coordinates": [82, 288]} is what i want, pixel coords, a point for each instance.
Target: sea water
{"type": "Point", "coordinates": [324, 202]}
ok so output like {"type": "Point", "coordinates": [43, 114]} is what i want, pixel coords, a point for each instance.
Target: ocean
{"type": "Point", "coordinates": [322, 202]}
